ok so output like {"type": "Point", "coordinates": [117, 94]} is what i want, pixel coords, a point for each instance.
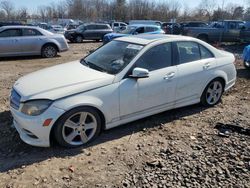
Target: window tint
{"type": "Point", "coordinates": [116, 24]}
{"type": "Point", "coordinates": [91, 27]}
{"type": "Point", "coordinates": [150, 29]}
{"type": "Point", "coordinates": [205, 53]}
{"type": "Point", "coordinates": [232, 25]}
{"type": "Point", "coordinates": [140, 30]}
{"type": "Point", "coordinates": [31, 32]}
{"type": "Point", "coordinates": [156, 58]}
{"type": "Point", "coordinates": [188, 52]}
{"type": "Point", "coordinates": [10, 33]}
{"type": "Point", "coordinates": [101, 27]}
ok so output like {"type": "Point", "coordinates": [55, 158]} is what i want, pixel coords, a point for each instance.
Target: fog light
{"type": "Point", "coordinates": [47, 122]}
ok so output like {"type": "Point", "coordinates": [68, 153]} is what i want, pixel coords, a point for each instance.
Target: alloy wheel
{"type": "Point", "coordinates": [79, 128]}
{"type": "Point", "coordinates": [214, 92]}
{"type": "Point", "coordinates": [50, 51]}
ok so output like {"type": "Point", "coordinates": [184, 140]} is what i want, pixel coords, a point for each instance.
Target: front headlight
{"type": "Point", "coordinates": [36, 107]}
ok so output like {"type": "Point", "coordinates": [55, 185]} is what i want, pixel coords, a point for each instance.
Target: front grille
{"type": "Point", "coordinates": [15, 99]}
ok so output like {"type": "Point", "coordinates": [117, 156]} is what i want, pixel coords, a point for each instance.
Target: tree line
{"type": "Point", "coordinates": [125, 10]}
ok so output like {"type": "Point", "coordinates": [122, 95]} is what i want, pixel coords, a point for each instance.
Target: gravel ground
{"type": "Point", "coordinates": [177, 148]}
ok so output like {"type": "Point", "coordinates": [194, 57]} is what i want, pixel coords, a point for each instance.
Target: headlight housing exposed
{"type": "Point", "coordinates": [35, 107]}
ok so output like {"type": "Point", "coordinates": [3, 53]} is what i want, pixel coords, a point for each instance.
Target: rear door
{"type": "Point", "coordinates": [32, 41]}
{"type": "Point", "coordinates": [195, 64]}
{"type": "Point", "coordinates": [10, 42]}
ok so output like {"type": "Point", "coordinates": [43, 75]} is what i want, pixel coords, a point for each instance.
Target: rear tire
{"type": "Point", "coordinates": [77, 127]}
{"type": "Point", "coordinates": [49, 51]}
{"type": "Point", "coordinates": [212, 93]}
{"type": "Point", "coordinates": [247, 66]}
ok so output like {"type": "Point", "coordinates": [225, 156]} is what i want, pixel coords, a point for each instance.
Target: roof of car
{"type": "Point", "coordinates": [144, 39]}
{"type": "Point", "coordinates": [19, 27]}
{"type": "Point", "coordinates": [144, 25]}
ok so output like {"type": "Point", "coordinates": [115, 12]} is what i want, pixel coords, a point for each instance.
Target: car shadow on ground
{"type": "Point", "coordinates": [14, 153]}
{"type": "Point", "coordinates": [2, 59]}
{"type": "Point", "coordinates": [243, 73]}
{"type": "Point", "coordinates": [85, 41]}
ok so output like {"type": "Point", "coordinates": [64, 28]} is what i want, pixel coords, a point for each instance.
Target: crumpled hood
{"type": "Point", "coordinates": [60, 81]}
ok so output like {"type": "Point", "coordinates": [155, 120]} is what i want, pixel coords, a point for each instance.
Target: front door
{"type": "Point", "coordinates": [233, 32]}
{"type": "Point", "coordinates": [152, 94]}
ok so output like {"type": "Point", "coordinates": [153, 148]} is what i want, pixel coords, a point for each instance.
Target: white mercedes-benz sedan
{"type": "Point", "coordinates": [125, 80]}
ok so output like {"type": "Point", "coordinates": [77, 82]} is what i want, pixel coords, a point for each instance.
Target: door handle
{"type": "Point", "coordinates": [169, 76]}
{"type": "Point", "coordinates": [206, 65]}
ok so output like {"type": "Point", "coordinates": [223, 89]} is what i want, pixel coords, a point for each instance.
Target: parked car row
{"type": "Point", "coordinates": [223, 31]}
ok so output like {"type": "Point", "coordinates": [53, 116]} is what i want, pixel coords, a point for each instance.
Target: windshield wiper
{"type": "Point", "coordinates": [94, 66]}
{"type": "Point", "coordinates": [84, 62]}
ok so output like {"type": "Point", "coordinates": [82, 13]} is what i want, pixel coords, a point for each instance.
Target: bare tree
{"type": "Point", "coordinates": [8, 7]}
{"type": "Point", "coordinates": [208, 6]}
{"type": "Point", "coordinates": [22, 14]}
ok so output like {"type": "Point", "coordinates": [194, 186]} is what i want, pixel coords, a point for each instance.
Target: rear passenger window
{"type": "Point", "coordinates": [205, 53]}
{"type": "Point", "coordinates": [90, 27]}
{"type": "Point", "coordinates": [101, 27]}
{"type": "Point", "coordinates": [31, 32]}
{"type": "Point", "coordinates": [150, 29]}
{"type": "Point", "coordinates": [188, 52]}
{"type": "Point", "coordinates": [156, 58]}
{"type": "Point", "coordinates": [116, 25]}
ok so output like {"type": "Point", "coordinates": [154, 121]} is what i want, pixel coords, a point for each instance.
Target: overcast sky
{"type": "Point", "coordinates": [33, 4]}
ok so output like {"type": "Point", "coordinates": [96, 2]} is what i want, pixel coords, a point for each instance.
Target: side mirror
{"type": "Point", "coordinates": [140, 73]}
{"type": "Point", "coordinates": [135, 33]}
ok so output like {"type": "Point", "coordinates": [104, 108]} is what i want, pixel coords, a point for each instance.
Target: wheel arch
{"type": "Point", "coordinates": [101, 114]}
{"type": "Point", "coordinates": [50, 43]}
{"type": "Point", "coordinates": [222, 78]}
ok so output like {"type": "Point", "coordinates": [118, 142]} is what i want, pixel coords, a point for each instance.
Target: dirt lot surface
{"type": "Point", "coordinates": [178, 148]}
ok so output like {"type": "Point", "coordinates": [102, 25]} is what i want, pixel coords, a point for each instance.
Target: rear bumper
{"type": "Point", "coordinates": [31, 129]}
{"type": "Point", "coordinates": [230, 84]}
{"type": "Point", "coordinates": [64, 49]}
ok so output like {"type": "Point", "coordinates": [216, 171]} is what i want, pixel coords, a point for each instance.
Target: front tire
{"type": "Point", "coordinates": [79, 39]}
{"type": "Point", "coordinates": [49, 51]}
{"type": "Point", "coordinates": [77, 127]}
{"type": "Point", "coordinates": [212, 93]}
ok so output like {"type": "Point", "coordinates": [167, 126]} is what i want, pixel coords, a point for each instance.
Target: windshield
{"type": "Point", "coordinates": [128, 30]}
{"type": "Point", "coordinates": [112, 57]}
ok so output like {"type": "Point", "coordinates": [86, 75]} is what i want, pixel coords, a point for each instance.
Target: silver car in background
{"type": "Point", "coordinates": [26, 40]}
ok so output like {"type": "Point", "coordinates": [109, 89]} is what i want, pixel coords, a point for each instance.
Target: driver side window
{"type": "Point", "coordinates": [156, 58]}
